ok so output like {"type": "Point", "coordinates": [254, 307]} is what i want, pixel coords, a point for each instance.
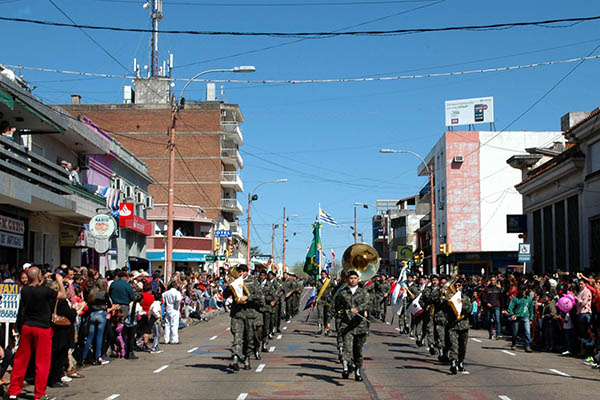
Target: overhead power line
{"type": "Point", "coordinates": [291, 4]}
{"type": "Point", "coordinates": [331, 80]}
{"type": "Point", "coordinates": [502, 26]}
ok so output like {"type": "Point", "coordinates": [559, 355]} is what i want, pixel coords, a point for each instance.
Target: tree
{"type": "Point", "coordinates": [298, 269]}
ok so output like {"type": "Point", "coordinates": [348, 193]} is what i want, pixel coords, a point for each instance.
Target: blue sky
{"type": "Point", "coordinates": [324, 138]}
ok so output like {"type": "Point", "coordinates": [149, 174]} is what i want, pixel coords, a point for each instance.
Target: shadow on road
{"type": "Point", "coordinates": [382, 333]}
{"type": "Point", "coordinates": [313, 366]}
{"type": "Point", "coordinates": [424, 368]}
{"type": "Point", "coordinates": [325, 378]}
{"type": "Point", "coordinates": [222, 368]}
{"type": "Point", "coordinates": [318, 358]}
{"type": "Point", "coordinates": [396, 344]}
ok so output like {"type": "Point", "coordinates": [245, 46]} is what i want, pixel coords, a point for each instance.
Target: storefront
{"type": "Point", "coordinates": [12, 241]}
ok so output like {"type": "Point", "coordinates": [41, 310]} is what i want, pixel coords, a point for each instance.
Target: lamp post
{"type": "Point", "coordinates": [432, 203]}
{"type": "Point", "coordinates": [273, 227]}
{"type": "Point", "coordinates": [355, 229]}
{"type": "Point", "coordinates": [175, 107]}
{"type": "Point", "coordinates": [251, 198]}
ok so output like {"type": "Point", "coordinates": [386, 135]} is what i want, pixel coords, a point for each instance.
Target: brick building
{"type": "Point", "coordinates": [207, 160]}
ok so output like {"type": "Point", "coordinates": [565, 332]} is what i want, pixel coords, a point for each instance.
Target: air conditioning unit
{"type": "Point", "coordinates": [140, 197]}
{"type": "Point", "coordinates": [118, 183]}
{"type": "Point", "coordinates": [149, 202]}
{"type": "Point", "coordinates": [128, 192]}
{"type": "Point", "coordinates": [458, 159]}
{"type": "Point", "coordinates": [83, 161]}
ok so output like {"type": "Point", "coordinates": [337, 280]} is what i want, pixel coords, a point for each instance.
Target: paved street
{"type": "Point", "coordinates": [304, 366]}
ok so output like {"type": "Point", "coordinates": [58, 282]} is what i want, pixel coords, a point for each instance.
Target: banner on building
{"type": "Point", "coordinates": [12, 225]}
{"type": "Point", "coordinates": [11, 240]}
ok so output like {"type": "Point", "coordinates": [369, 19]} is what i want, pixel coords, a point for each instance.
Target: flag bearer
{"type": "Point", "coordinates": [325, 286]}
{"type": "Point", "coordinates": [458, 329]}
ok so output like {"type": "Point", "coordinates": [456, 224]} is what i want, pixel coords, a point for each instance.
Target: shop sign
{"type": "Point", "coordinates": [11, 240]}
{"type": "Point", "coordinates": [9, 304]}
{"type": "Point", "coordinates": [126, 211]}
{"type": "Point", "coordinates": [138, 224]}
{"type": "Point", "coordinates": [12, 225]}
{"type": "Point", "coordinates": [102, 226]}
{"type": "Point", "coordinates": [68, 237]}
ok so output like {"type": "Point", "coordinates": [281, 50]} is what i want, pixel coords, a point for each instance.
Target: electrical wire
{"type": "Point", "coordinates": [294, 4]}
{"type": "Point", "coordinates": [488, 27]}
{"type": "Point", "coordinates": [330, 80]}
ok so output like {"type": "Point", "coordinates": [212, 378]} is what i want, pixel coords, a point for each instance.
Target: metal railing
{"type": "Point", "coordinates": [234, 128]}
{"type": "Point", "coordinates": [234, 154]}
{"type": "Point", "coordinates": [230, 177]}
{"type": "Point", "coordinates": [231, 204]}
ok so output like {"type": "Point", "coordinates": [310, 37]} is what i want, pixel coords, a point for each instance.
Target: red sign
{"type": "Point", "coordinates": [126, 211]}
{"type": "Point", "coordinates": [137, 224]}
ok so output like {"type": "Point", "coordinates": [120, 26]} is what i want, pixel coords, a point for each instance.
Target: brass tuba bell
{"type": "Point", "coordinates": [363, 259]}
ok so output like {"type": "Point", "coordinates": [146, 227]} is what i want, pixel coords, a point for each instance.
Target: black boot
{"type": "Point", "coordinates": [257, 355]}
{"type": "Point", "coordinates": [247, 365]}
{"type": "Point", "coordinates": [235, 363]}
{"type": "Point", "coordinates": [345, 372]}
{"type": "Point", "coordinates": [264, 347]}
{"type": "Point", "coordinates": [431, 350]}
{"type": "Point", "coordinates": [358, 375]}
{"type": "Point", "coordinates": [453, 367]}
{"type": "Point", "coordinates": [461, 366]}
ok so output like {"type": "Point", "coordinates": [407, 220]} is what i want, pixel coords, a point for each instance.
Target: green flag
{"type": "Point", "coordinates": [311, 265]}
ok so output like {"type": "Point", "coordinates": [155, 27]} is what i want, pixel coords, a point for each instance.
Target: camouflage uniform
{"type": "Point", "coordinates": [246, 319]}
{"type": "Point", "coordinates": [277, 309]}
{"type": "Point", "coordinates": [440, 320]}
{"type": "Point", "coordinates": [372, 292]}
{"type": "Point", "coordinates": [427, 316]}
{"type": "Point", "coordinates": [458, 330]}
{"type": "Point", "coordinates": [324, 304]}
{"type": "Point", "coordinates": [298, 286]}
{"type": "Point", "coordinates": [354, 329]}
{"type": "Point", "coordinates": [267, 310]}
{"type": "Point", "coordinates": [384, 288]}
{"type": "Point", "coordinates": [336, 313]}
{"type": "Point", "coordinates": [288, 289]}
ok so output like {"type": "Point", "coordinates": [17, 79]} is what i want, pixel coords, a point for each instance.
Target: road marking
{"type": "Point", "coordinates": [242, 396]}
{"type": "Point", "coordinates": [287, 322]}
{"type": "Point", "coordinates": [412, 338]}
{"type": "Point", "coordinates": [398, 329]}
{"type": "Point", "coordinates": [284, 328]}
{"type": "Point", "coordinates": [465, 372]}
{"type": "Point", "coordinates": [387, 323]}
{"type": "Point", "coordinates": [279, 336]}
{"type": "Point", "coordinates": [214, 337]}
{"type": "Point", "coordinates": [112, 397]}
{"type": "Point", "coordinates": [156, 371]}
{"type": "Point", "coordinates": [503, 397]}
{"type": "Point", "coordinates": [558, 372]}
{"type": "Point", "coordinates": [228, 329]}
{"type": "Point", "coordinates": [508, 352]}
{"type": "Point", "coordinates": [477, 340]}
{"type": "Point", "coordinates": [193, 349]}
{"type": "Point", "coordinates": [260, 367]}
{"type": "Point", "coordinates": [271, 349]}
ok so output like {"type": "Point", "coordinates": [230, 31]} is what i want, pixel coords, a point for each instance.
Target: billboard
{"type": "Point", "coordinates": [470, 111]}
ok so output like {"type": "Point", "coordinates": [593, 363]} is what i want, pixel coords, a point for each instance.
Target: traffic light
{"type": "Point", "coordinates": [216, 245]}
{"type": "Point", "coordinates": [443, 248]}
{"type": "Point", "coordinates": [230, 251]}
{"type": "Point", "coordinates": [446, 248]}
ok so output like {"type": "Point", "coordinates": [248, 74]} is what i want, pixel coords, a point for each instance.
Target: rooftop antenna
{"type": "Point", "coordinates": [155, 15]}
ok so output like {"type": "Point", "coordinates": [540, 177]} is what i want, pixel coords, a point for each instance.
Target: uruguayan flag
{"type": "Point", "coordinates": [326, 218]}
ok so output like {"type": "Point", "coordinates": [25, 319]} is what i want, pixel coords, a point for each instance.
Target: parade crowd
{"type": "Point", "coordinates": [73, 317]}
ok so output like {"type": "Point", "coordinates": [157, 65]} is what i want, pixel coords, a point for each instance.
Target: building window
{"type": "Point", "coordinates": [594, 240]}
{"type": "Point", "coordinates": [537, 242]}
{"type": "Point", "coordinates": [548, 239]}
{"type": "Point", "coordinates": [573, 232]}
{"type": "Point", "coordinates": [559, 221]}
{"type": "Point", "coordinates": [594, 158]}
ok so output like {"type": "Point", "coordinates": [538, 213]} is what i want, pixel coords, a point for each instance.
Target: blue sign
{"type": "Point", "coordinates": [223, 233]}
{"type": "Point", "coordinates": [524, 252]}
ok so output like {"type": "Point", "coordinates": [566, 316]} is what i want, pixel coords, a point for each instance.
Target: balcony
{"type": "Point", "coordinates": [187, 243]}
{"type": "Point", "coordinates": [236, 229]}
{"type": "Point", "coordinates": [232, 206]}
{"type": "Point", "coordinates": [232, 157]}
{"type": "Point", "coordinates": [424, 192]}
{"type": "Point", "coordinates": [233, 131]}
{"type": "Point", "coordinates": [232, 180]}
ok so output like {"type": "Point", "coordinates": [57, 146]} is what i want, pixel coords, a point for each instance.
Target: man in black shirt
{"type": "Point", "coordinates": [33, 321]}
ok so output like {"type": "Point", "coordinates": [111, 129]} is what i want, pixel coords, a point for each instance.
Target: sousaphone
{"type": "Point", "coordinates": [234, 274]}
{"type": "Point", "coordinates": [363, 259]}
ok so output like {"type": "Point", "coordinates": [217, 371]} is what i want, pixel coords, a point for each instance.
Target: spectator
{"type": "Point", "coordinates": [121, 292]}
{"type": "Point", "coordinates": [62, 340]}
{"type": "Point", "coordinates": [74, 176]}
{"type": "Point", "coordinates": [179, 232]}
{"type": "Point", "coordinates": [493, 300]}
{"type": "Point", "coordinates": [520, 312]}
{"type": "Point", "coordinates": [99, 304]}
{"type": "Point", "coordinates": [155, 319]}
{"type": "Point", "coordinates": [549, 319]}
{"type": "Point", "coordinates": [584, 314]}
{"type": "Point", "coordinates": [131, 321]}
{"type": "Point", "coordinates": [33, 322]}
{"type": "Point", "coordinates": [7, 357]}
{"type": "Point", "coordinates": [172, 300]}
{"type": "Point", "coordinates": [145, 325]}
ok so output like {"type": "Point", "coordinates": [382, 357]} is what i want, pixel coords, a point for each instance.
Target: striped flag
{"type": "Point", "coordinates": [326, 218]}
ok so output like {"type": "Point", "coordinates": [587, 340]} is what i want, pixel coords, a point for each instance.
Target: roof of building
{"type": "Point", "coordinates": [548, 165]}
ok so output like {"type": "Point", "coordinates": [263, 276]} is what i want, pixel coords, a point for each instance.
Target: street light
{"type": "Point", "coordinates": [432, 203]}
{"type": "Point", "coordinates": [355, 205]}
{"type": "Point", "coordinates": [252, 197]}
{"type": "Point", "coordinates": [175, 106]}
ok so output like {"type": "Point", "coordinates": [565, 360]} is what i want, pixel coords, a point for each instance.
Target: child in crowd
{"type": "Point", "coordinates": [155, 319]}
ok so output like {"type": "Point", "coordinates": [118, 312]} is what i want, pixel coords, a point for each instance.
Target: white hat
{"type": "Point", "coordinates": [136, 275]}
{"type": "Point", "coordinates": [144, 273]}
{"type": "Point", "coordinates": [553, 283]}
{"type": "Point", "coordinates": [26, 265]}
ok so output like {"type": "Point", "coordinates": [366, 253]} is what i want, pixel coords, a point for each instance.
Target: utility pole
{"type": "Point", "coordinates": [355, 234]}
{"type": "Point", "coordinates": [274, 226]}
{"type": "Point", "coordinates": [171, 147]}
{"type": "Point", "coordinates": [248, 235]}
{"type": "Point", "coordinates": [283, 251]}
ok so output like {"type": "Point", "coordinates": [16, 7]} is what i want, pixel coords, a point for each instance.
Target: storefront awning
{"type": "Point", "coordinates": [177, 256]}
